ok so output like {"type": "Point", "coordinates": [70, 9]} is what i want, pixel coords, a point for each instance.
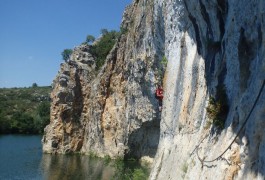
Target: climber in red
{"type": "Point", "coordinates": [159, 96]}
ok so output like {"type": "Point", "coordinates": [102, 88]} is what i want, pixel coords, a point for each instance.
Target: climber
{"type": "Point", "coordinates": [159, 96]}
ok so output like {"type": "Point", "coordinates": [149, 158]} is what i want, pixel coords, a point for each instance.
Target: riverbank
{"type": "Point", "coordinates": [24, 110]}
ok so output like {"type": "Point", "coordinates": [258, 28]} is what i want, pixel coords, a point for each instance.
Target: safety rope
{"type": "Point", "coordinates": [202, 160]}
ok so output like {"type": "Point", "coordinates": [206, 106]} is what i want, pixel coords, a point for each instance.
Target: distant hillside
{"type": "Point", "coordinates": [24, 110]}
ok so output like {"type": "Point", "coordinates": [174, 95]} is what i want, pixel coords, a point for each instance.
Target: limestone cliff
{"type": "Point", "coordinates": [214, 49]}
{"type": "Point", "coordinates": [111, 112]}
{"type": "Point", "coordinates": [213, 46]}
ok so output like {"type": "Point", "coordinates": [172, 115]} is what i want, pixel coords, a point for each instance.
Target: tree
{"type": "Point", "coordinates": [34, 85]}
{"type": "Point", "coordinates": [43, 116]}
{"type": "Point", "coordinates": [90, 39]}
{"type": "Point", "coordinates": [104, 31]}
{"type": "Point", "coordinates": [66, 54]}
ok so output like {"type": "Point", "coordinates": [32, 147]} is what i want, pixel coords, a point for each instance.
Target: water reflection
{"type": "Point", "coordinates": [21, 158]}
{"type": "Point", "coordinates": [75, 167]}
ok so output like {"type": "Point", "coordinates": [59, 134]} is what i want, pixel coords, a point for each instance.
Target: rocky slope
{"type": "Point", "coordinates": [214, 49]}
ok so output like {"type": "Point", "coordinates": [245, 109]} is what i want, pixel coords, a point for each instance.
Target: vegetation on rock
{"type": "Point", "coordinates": [102, 47]}
{"type": "Point", "coordinates": [90, 39]}
{"type": "Point", "coordinates": [24, 110]}
{"type": "Point", "coordinates": [66, 54]}
{"type": "Point", "coordinates": [129, 170]}
{"type": "Point", "coordinates": [217, 109]}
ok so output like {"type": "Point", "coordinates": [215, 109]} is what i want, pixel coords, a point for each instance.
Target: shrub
{"type": "Point", "coordinates": [34, 85]}
{"type": "Point", "coordinates": [162, 68]}
{"type": "Point", "coordinates": [127, 170]}
{"type": "Point", "coordinates": [139, 174]}
{"type": "Point", "coordinates": [104, 31]}
{"type": "Point", "coordinates": [185, 167]}
{"type": "Point", "coordinates": [90, 39]}
{"type": "Point", "coordinates": [217, 109]}
{"type": "Point", "coordinates": [101, 49]}
{"type": "Point", "coordinates": [164, 61]}
{"type": "Point", "coordinates": [66, 54]}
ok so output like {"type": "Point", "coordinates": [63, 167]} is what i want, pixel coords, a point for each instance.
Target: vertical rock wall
{"type": "Point", "coordinates": [212, 45]}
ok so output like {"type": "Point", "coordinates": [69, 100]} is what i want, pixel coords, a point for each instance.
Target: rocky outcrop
{"type": "Point", "coordinates": [113, 111]}
{"type": "Point", "coordinates": [65, 133]}
{"type": "Point", "coordinates": [213, 49]}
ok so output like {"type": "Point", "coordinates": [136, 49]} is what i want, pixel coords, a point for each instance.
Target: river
{"type": "Point", "coordinates": [22, 158]}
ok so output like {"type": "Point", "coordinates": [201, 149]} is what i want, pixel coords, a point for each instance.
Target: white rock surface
{"type": "Point", "coordinates": [209, 43]}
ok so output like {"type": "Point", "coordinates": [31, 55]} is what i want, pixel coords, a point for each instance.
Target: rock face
{"type": "Point", "coordinates": [65, 132]}
{"type": "Point", "coordinates": [114, 111]}
{"type": "Point", "coordinates": [211, 47]}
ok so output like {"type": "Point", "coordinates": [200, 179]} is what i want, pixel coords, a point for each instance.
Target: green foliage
{"type": "Point", "coordinates": [217, 109]}
{"type": "Point", "coordinates": [107, 160]}
{"type": "Point", "coordinates": [164, 61]}
{"type": "Point", "coordinates": [66, 54]}
{"type": "Point", "coordinates": [43, 116]}
{"type": "Point", "coordinates": [23, 123]}
{"type": "Point", "coordinates": [104, 31]}
{"type": "Point", "coordinates": [139, 174]}
{"type": "Point", "coordinates": [127, 170]}
{"type": "Point", "coordinates": [162, 68]}
{"type": "Point", "coordinates": [24, 110]}
{"type": "Point", "coordinates": [34, 85]}
{"type": "Point", "coordinates": [123, 30]}
{"type": "Point", "coordinates": [102, 48]}
{"type": "Point", "coordinates": [90, 39]}
{"type": "Point", "coordinates": [120, 171]}
{"type": "Point", "coordinates": [185, 167]}
{"type": "Point", "coordinates": [92, 155]}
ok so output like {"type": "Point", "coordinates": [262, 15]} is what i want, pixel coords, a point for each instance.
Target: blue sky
{"type": "Point", "coordinates": [33, 34]}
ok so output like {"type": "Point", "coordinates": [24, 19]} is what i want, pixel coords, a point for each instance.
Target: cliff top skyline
{"type": "Point", "coordinates": [34, 33]}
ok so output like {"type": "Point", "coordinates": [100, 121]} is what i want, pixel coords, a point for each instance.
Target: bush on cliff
{"type": "Point", "coordinates": [90, 39]}
{"type": "Point", "coordinates": [66, 54]}
{"type": "Point", "coordinates": [217, 109]}
{"type": "Point", "coordinates": [102, 47]}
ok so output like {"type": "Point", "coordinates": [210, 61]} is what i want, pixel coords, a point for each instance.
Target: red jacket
{"type": "Point", "coordinates": [159, 93]}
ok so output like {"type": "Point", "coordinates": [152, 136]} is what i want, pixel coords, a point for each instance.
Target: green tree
{"type": "Point", "coordinates": [43, 116]}
{"type": "Point", "coordinates": [90, 39]}
{"type": "Point", "coordinates": [66, 54]}
{"type": "Point", "coordinates": [103, 47]}
{"type": "Point", "coordinates": [104, 31]}
{"type": "Point", "coordinates": [34, 85]}
{"type": "Point", "coordinates": [22, 123]}
{"type": "Point", "coordinates": [4, 124]}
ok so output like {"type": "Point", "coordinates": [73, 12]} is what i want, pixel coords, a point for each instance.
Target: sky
{"type": "Point", "coordinates": [33, 33]}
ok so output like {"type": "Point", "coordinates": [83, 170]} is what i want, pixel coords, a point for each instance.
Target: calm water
{"type": "Point", "coordinates": [21, 158]}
